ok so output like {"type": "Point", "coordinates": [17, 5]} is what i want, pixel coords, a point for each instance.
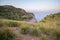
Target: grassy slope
{"type": "Point", "coordinates": [23, 22]}
{"type": "Point", "coordinates": [13, 13]}
{"type": "Point", "coordinates": [49, 26]}
{"type": "Point", "coordinates": [52, 20]}
{"type": "Point", "coordinates": [46, 27]}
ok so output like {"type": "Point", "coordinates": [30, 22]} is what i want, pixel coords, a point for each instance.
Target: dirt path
{"type": "Point", "coordinates": [22, 36]}
{"type": "Point", "coordinates": [26, 36]}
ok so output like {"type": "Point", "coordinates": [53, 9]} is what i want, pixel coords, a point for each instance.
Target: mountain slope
{"type": "Point", "coordinates": [47, 29]}
{"type": "Point", "coordinates": [52, 20]}
{"type": "Point", "coordinates": [11, 12]}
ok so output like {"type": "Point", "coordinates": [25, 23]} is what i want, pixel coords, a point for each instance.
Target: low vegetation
{"type": "Point", "coordinates": [35, 29]}
{"type": "Point", "coordinates": [6, 34]}
{"type": "Point", "coordinates": [49, 26]}
{"type": "Point", "coordinates": [13, 13]}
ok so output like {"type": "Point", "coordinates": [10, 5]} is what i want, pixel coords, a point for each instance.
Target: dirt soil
{"type": "Point", "coordinates": [26, 36]}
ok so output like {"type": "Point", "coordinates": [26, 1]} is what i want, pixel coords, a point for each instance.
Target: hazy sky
{"type": "Point", "coordinates": [33, 4]}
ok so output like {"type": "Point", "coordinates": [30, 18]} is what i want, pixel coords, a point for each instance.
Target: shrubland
{"type": "Point", "coordinates": [13, 17]}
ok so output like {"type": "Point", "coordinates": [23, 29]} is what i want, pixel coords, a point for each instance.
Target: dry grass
{"type": "Point", "coordinates": [36, 29]}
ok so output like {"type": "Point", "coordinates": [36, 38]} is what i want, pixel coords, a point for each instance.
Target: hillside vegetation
{"type": "Point", "coordinates": [52, 20]}
{"type": "Point", "coordinates": [13, 13]}
{"type": "Point", "coordinates": [12, 25]}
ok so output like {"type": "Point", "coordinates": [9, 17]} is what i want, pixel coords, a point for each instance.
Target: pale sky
{"type": "Point", "coordinates": [33, 4]}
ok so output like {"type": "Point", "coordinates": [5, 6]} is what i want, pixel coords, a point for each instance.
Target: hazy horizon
{"type": "Point", "coordinates": [33, 4]}
{"type": "Point", "coordinates": [40, 8]}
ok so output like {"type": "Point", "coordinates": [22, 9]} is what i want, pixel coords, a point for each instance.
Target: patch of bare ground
{"type": "Point", "coordinates": [50, 38]}
{"type": "Point", "coordinates": [26, 36]}
{"type": "Point", "coordinates": [31, 37]}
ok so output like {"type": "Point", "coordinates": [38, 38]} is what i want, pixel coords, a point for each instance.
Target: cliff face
{"type": "Point", "coordinates": [13, 13]}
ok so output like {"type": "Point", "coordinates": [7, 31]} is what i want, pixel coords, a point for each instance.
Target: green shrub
{"type": "Point", "coordinates": [43, 20]}
{"type": "Point", "coordinates": [56, 33]}
{"type": "Point", "coordinates": [35, 32]}
{"type": "Point", "coordinates": [43, 29]}
{"type": "Point", "coordinates": [30, 31]}
{"type": "Point", "coordinates": [1, 24]}
{"type": "Point", "coordinates": [13, 24]}
{"type": "Point", "coordinates": [43, 37]}
{"type": "Point", "coordinates": [25, 30]}
{"type": "Point", "coordinates": [6, 34]}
